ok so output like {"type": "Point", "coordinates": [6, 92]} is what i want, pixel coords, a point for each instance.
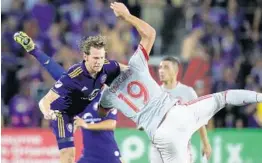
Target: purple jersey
{"type": "Point", "coordinates": [99, 146]}
{"type": "Point", "coordinates": [77, 88]}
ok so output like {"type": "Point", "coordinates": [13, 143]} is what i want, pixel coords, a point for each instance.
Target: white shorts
{"type": "Point", "coordinates": [155, 156]}
{"type": "Point", "coordinates": [172, 136]}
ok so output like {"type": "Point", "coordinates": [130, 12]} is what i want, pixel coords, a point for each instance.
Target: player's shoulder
{"type": "Point", "coordinates": [140, 51]}
{"type": "Point", "coordinates": [110, 63]}
{"type": "Point", "coordinates": [182, 85]}
{"type": "Point", "coordinates": [111, 67]}
{"type": "Point", "coordinates": [75, 67]}
{"type": "Point", "coordinates": [75, 70]}
{"type": "Point", "coordinates": [185, 87]}
{"type": "Point", "coordinates": [189, 90]}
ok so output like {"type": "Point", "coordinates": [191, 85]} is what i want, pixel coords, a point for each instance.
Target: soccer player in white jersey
{"type": "Point", "coordinates": [168, 71]}
{"type": "Point", "coordinates": [168, 124]}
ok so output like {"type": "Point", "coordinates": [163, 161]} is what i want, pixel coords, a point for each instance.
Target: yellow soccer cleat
{"type": "Point", "coordinates": [24, 40]}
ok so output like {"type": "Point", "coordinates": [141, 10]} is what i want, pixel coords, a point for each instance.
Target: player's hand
{"type": "Point", "coordinates": [24, 40]}
{"type": "Point", "coordinates": [119, 9]}
{"type": "Point", "coordinates": [50, 115]}
{"type": "Point", "coordinates": [79, 122]}
{"type": "Point", "coordinates": [207, 150]}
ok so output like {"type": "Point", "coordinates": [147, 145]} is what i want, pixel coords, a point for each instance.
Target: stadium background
{"type": "Point", "coordinates": [219, 43]}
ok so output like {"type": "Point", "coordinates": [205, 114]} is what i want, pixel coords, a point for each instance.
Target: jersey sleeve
{"type": "Point", "coordinates": [63, 86]}
{"type": "Point", "coordinates": [112, 70]}
{"type": "Point", "coordinates": [139, 60]}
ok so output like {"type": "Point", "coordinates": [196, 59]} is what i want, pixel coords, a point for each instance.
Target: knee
{"type": "Point", "coordinates": [67, 155]}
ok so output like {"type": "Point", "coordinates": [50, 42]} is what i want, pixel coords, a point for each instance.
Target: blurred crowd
{"type": "Point", "coordinates": [228, 35]}
{"type": "Point", "coordinates": [225, 33]}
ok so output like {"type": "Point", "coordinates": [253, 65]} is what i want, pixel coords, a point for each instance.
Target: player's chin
{"type": "Point", "coordinates": [97, 69]}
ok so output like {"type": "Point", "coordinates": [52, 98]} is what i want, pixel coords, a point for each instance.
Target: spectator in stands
{"type": "Point", "coordinates": [228, 81]}
{"type": "Point", "coordinates": [230, 48]}
{"type": "Point", "coordinates": [250, 83]}
{"type": "Point", "coordinates": [31, 27]}
{"type": "Point", "coordinates": [235, 16]}
{"type": "Point", "coordinates": [23, 109]}
{"type": "Point", "coordinates": [190, 44]}
{"type": "Point", "coordinates": [256, 72]}
{"type": "Point", "coordinates": [257, 21]}
{"type": "Point", "coordinates": [44, 13]}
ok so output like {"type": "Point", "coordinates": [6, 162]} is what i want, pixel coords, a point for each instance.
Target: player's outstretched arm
{"type": "Point", "coordinates": [146, 31]}
{"type": "Point", "coordinates": [122, 67]}
{"type": "Point", "coordinates": [45, 105]}
{"type": "Point", "coordinates": [109, 124]}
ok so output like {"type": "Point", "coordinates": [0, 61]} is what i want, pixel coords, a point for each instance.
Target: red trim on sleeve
{"type": "Point", "coordinates": [198, 99]}
{"type": "Point", "coordinates": [144, 52]}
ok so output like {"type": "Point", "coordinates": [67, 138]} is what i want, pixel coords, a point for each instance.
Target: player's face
{"type": "Point", "coordinates": [96, 59]}
{"type": "Point", "coordinates": [166, 71]}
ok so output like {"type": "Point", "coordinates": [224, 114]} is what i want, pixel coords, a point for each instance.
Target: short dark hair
{"type": "Point", "coordinates": [174, 60]}
{"type": "Point", "coordinates": [97, 42]}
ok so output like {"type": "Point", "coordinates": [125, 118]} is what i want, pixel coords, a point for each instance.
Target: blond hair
{"type": "Point", "coordinates": [97, 42]}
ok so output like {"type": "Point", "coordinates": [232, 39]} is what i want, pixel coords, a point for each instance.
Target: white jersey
{"type": "Point", "coordinates": [137, 95]}
{"type": "Point", "coordinates": [183, 92]}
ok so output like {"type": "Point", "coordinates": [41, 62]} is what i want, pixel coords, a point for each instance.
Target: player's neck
{"type": "Point", "coordinates": [170, 84]}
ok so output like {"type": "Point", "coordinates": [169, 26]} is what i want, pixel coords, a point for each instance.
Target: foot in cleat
{"type": "Point", "coordinates": [24, 40]}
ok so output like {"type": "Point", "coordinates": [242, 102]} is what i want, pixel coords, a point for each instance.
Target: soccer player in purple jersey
{"type": "Point", "coordinates": [75, 90]}
{"type": "Point", "coordinates": [98, 137]}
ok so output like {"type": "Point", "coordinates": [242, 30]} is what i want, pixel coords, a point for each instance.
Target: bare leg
{"type": "Point", "coordinates": [67, 155]}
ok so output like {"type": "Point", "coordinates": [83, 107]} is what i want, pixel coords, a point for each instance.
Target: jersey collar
{"type": "Point", "coordinates": [177, 84]}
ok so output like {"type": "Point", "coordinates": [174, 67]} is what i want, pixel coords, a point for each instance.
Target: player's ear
{"type": "Point", "coordinates": [85, 56]}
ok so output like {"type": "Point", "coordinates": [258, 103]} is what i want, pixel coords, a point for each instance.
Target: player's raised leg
{"type": "Point", "coordinates": [172, 136]}
{"type": "Point", "coordinates": [204, 108]}
{"type": "Point", "coordinates": [61, 126]}
{"type": "Point", "coordinates": [53, 68]}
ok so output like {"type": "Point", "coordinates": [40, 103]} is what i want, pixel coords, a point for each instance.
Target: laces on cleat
{"type": "Point", "coordinates": [26, 41]}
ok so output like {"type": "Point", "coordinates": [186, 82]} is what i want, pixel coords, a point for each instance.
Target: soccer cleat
{"type": "Point", "coordinates": [24, 40]}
